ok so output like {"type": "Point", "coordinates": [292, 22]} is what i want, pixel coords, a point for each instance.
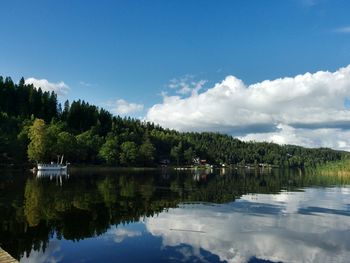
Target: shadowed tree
{"type": "Point", "coordinates": [147, 152]}
{"type": "Point", "coordinates": [189, 155]}
{"type": "Point", "coordinates": [67, 145]}
{"type": "Point", "coordinates": [89, 144]}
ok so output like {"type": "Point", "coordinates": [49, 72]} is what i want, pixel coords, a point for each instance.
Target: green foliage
{"type": "Point", "coordinates": [25, 100]}
{"type": "Point", "coordinates": [82, 116]}
{"type": "Point", "coordinates": [89, 144]}
{"type": "Point", "coordinates": [189, 155]}
{"type": "Point", "coordinates": [11, 149]}
{"type": "Point", "coordinates": [67, 145]}
{"type": "Point", "coordinates": [176, 153]}
{"type": "Point", "coordinates": [129, 153]}
{"type": "Point", "coordinates": [51, 144]}
{"type": "Point", "coordinates": [85, 133]}
{"type": "Point", "coordinates": [147, 152]}
{"type": "Point", "coordinates": [37, 148]}
{"type": "Point", "coordinates": [109, 151]}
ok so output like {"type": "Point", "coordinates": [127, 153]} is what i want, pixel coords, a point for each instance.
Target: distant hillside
{"type": "Point", "coordinates": [35, 127]}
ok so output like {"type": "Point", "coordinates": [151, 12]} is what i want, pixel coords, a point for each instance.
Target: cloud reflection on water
{"type": "Point", "coordinates": [118, 234]}
{"type": "Point", "coordinates": [51, 254]}
{"type": "Point", "coordinates": [308, 226]}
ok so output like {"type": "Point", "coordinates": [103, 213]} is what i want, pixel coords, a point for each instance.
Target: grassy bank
{"type": "Point", "coordinates": [336, 168]}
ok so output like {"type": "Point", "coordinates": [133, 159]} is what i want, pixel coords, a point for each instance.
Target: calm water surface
{"type": "Point", "coordinates": [170, 216]}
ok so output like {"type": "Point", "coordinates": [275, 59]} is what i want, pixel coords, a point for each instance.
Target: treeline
{"type": "Point", "coordinates": [35, 127]}
{"type": "Point", "coordinates": [24, 100]}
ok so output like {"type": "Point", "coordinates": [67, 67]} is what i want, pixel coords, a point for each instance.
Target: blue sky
{"type": "Point", "coordinates": [134, 51]}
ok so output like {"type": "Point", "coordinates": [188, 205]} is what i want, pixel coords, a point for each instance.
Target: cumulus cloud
{"type": "Point", "coordinates": [122, 107]}
{"type": "Point", "coordinates": [272, 108]}
{"type": "Point", "coordinates": [325, 137]}
{"type": "Point", "coordinates": [60, 88]}
{"type": "Point", "coordinates": [279, 228]}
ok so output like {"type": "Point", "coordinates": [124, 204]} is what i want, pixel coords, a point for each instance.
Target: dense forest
{"type": "Point", "coordinates": [34, 127]}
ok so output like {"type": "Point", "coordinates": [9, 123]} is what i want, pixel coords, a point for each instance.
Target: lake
{"type": "Point", "coordinates": [110, 215]}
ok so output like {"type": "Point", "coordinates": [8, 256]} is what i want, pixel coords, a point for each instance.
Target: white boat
{"type": "Point", "coordinates": [52, 166]}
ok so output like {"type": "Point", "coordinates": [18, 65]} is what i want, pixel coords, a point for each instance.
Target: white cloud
{"type": "Point", "coordinates": [122, 107]}
{"type": "Point", "coordinates": [280, 228]}
{"type": "Point", "coordinates": [325, 137]}
{"type": "Point", "coordinates": [305, 102]}
{"type": "Point", "coordinates": [345, 30]}
{"type": "Point", "coordinates": [186, 85]}
{"type": "Point", "coordinates": [60, 88]}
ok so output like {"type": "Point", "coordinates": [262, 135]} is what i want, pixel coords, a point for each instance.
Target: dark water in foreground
{"type": "Point", "coordinates": [169, 216]}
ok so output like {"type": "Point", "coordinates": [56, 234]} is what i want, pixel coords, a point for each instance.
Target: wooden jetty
{"type": "Point", "coordinates": [6, 257]}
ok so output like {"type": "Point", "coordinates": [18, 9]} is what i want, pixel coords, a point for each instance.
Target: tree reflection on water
{"type": "Point", "coordinates": [87, 204]}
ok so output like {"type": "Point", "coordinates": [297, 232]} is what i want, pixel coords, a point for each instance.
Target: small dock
{"type": "Point", "coordinates": [6, 257]}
